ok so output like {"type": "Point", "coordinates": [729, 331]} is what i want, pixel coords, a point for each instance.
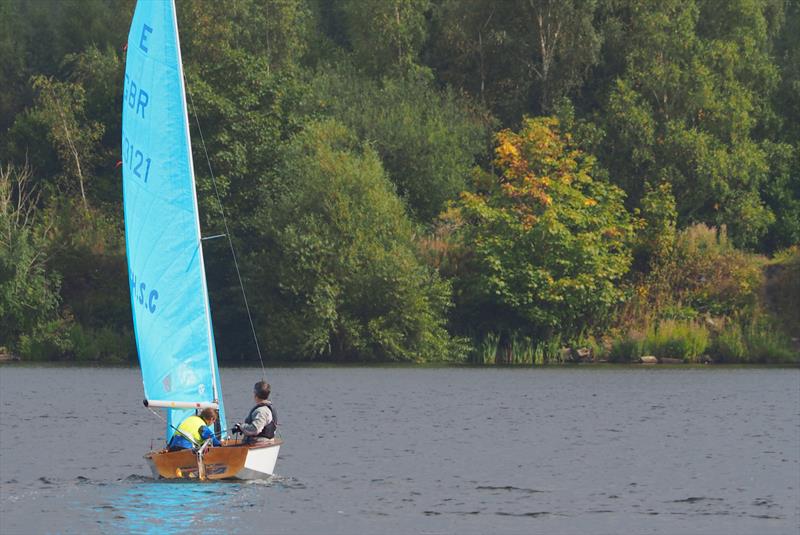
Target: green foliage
{"type": "Point", "coordinates": [97, 73]}
{"type": "Point", "coordinates": [517, 56]}
{"type": "Point", "coordinates": [595, 345]}
{"type": "Point", "coordinates": [385, 36]}
{"type": "Point", "coordinates": [691, 106]}
{"type": "Point", "coordinates": [787, 54]}
{"type": "Point", "coordinates": [710, 275]}
{"type": "Point", "coordinates": [656, 239]}
{"type": "Point", "coordinates": [274, 31]}
{"type": "Point", "coordinates": [781, 293]}
{"type": "Point", "coordinates": [428, 140]}
{"type": "Point", "coordinates": [248, 110]}
{"type": "Point", "coordinates": [729, 344]}
{"type": "Point", "coordinates": [12, 64]}
{"type": "Point", "coordinates": [685, 340]}
{"type": "Point", "coordinates": [29, 289]}
{"type": "Point", "coordinates": [89, 251]}
{"type": "Point", "coordinates": [704, 274]}
{"type": "Point", "coordinates": [765, 343]}
{"type": "Point", "coordinates": [547, 351]}
{"type": "Point", "coordinates": [60, 105]}
{"type": "Point", "coordinates": [349, 283]}
{"type": "Point", "coordinates": [782, 194]}
{"type": "Point", "coordinates": [485, 350]}
{"type": "Point", "coordinates": [758, 341]}
{"type": "Point", "coordinates": [694, 87]}
{"type": "Point", "coordinates": [681, 339]}
{"type": "Point", "coordinates": [49, 342]}
{"type": "Point", "coordinates": [71, 26]}
{"type": "Point", "coordinates": [106, 344]}
{"type": "Point", "coordinates": [627, 348]}
{"type": "Point", "coordinates": [546, 243]}
{"type": "Point", "coordinates": [521, 350]}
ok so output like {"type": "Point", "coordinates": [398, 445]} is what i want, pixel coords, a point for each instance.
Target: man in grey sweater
{"type": "Point", "coordinates": [262, 420]}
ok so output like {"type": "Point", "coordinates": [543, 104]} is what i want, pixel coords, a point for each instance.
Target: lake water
{"type": "Point", "coordinates": [420, 450]}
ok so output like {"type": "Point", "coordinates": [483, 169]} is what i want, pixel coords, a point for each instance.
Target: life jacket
{"type": "Point", "coordinates": [190, 427]}
{"type": "Point", "coordinates": [269, 429]}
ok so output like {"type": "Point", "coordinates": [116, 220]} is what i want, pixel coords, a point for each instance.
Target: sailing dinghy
{"type": "Point", "coordinates": [169, 298]}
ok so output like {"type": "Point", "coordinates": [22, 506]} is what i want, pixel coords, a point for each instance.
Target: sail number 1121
{"type": "Point", "coordinates": [135, 160]}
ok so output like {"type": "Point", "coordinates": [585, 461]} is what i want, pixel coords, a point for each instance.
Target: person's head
{"type": "Point", "coordinates": [209, 415]}
{"type": "Point", "coordinates": [261, 390]}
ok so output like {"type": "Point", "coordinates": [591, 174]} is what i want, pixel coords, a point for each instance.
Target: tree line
{"type": "Point", "coordinates": [424, 180]}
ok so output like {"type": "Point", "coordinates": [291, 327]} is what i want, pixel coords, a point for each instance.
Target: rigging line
{"type": "Point", "coordinates": [157, 414]}
{"type": "Point", "coordinates": [225, 224]}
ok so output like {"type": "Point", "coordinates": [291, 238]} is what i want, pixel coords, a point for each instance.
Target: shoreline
{"type": "Point", "coordinates": [19, 363]}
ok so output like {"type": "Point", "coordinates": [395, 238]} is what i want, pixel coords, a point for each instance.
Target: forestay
{"type": "Point", "coordinates": [169, 298]}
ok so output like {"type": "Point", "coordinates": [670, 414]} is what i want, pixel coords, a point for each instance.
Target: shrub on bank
{"type": "Point", "coordinates": [680, 339]}
{"type": "Point", "coordinates": [703, 281]}
{"type": "Point", "coordinates": [701, 275]}
{"type": "Point", "coordinates": [729, 344]}
{"type": "Point", "coordinates": [522, 350]}
{"type": "Point", "coordinates": [707, 274]}
{"type": "Point", "coordinates": [485, 350]}
{"type": "Point", "coordinates": [65, 340]}
{"type": "Point", "coordinates": [767, 344]}
{"type": "Point", "coordinates": [103, 344]}
{"type": "Point", "coordinates": [782, 289]}
{"type": "Point", "coordinates": [48, 343]}
{"type": "Point", "coordinates": [759, 342]}
{"type": "Point", "coordinates": [627, 347]}
{"type": "Point", "coordinates": [685, 340]}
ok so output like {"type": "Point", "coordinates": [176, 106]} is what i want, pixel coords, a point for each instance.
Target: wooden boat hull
{"type": "Point", "coordinates": [233, 460]}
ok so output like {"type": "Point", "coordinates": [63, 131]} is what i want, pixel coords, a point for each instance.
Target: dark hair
{"type": "Point", "coordinates": [261, 390]}
{"type": "Point", "coordinates": [209, 414]}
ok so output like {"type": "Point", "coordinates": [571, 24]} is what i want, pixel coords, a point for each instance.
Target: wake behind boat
{"type": "Point", "coordinates": [169, 297]}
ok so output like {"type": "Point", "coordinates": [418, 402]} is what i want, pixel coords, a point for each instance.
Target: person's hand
{"type": "Point", "coordinates": [237, 429]}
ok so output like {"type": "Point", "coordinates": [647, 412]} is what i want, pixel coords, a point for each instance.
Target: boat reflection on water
{"type": "Point", "coordinates": [149, 506]}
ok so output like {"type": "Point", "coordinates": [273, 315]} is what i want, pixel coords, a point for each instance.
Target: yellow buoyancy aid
{"type": "Point", "coordinates": [190, 427]}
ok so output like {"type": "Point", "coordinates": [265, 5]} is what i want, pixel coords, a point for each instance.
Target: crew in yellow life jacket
{"type": "Point", "coordinates": [197, 428]}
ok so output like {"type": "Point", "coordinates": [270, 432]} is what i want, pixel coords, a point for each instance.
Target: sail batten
{"type": "Point", "coordinates": [169, 295]}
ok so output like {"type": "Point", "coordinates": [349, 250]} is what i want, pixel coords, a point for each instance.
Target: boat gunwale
{"type": "Point", "coordinates": [225, 445]}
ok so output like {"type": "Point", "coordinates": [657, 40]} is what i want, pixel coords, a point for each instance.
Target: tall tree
{"type": "Point", "coordinates": [685, 108]}
{"type": "Point", "coordinates": [70, 27]}
{"type": "Point", "coordinates": [28, 289]}
{"type": "Point", "coordinates": [428, 139]}
{"type": "Point", "coordinates": [342, 279]}
{"type": "Point", "coordinates": [518, 56]}
{"type": "Point", "coordinates": [61, 105]}
{"type": "Point", "coordinates": [385, 36]}
{"type": "Point", "coordinates": [787, 53]}
{"type": "Point", "coordinates": [273, 30]}
{"type": "Point", "coordinates": [544, 244]}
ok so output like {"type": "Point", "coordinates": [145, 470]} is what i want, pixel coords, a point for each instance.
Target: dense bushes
{"type": "Point", "coordinates": [344, 275]}
{"type": "Point", "coordinates": [545, 243]}
{"type": "Point", "coordinates": [373, 215]}
{"type": "Point", "coordinates": [676, 339]}
{"type": "Point", "coordinates": [705, 297]}
{"type": "Point", "coordinates": [428, 140]}
{"type": "Point", "coordinates": [29, 290]}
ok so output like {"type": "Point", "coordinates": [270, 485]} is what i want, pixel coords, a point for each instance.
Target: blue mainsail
{"type": "Point", "coordinates": [169, 298]}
